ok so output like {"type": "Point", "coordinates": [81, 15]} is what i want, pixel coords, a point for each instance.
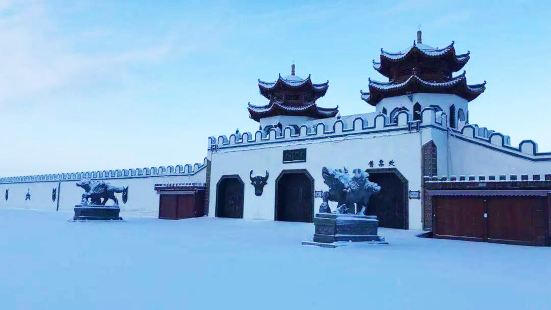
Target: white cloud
{"type": "Point", "coordinates": [37, 59]}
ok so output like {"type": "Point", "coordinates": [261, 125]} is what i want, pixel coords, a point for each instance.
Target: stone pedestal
{"type": "Point", "coordinates": [95, 212]}
{"type": "Point", "coordinates": [332, 228]}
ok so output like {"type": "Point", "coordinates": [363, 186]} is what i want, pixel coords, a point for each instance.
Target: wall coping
{"type": "Point", "coordinates": [381, 123]}
{"type": "Point", "coordinates": [489, 178]}
{"type": "Point", "coordinates": [161, 171]}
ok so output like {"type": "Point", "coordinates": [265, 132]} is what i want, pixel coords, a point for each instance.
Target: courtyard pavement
{"type": "Point", "coordinates": [48, 262]}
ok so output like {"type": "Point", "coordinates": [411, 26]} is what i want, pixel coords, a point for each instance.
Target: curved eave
{"type": "Point", "coordinates": [389, 60]}
{"type": "Point", "coordinates": [432, 52]}
{"type": "Point", "coordinates": [277, 108]}
{"type": "Point", "coordinates": [266, 88]}
{"type": "Point", "coordinates": [414, 84]}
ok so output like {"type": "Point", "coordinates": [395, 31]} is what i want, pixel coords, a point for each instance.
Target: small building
{"type": "Point", "coordinates": [181, 201]}
{"type": "Point", "coordinates": [502, 209]}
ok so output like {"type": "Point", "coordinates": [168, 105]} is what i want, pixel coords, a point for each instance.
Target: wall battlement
{"type": "Point", "coordinates": [177, 170]}
{"type": "Point", "coordinates": [501, 142]}
{"type": "Point", "coordinates": [369, 124]}
{"type": "Point", "coordinates": [338, 127]}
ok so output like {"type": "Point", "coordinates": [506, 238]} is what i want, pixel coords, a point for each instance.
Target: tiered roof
{"type": "Point", "coordinates": [267, 89]}
{"type": "Point", "coordinates": [421, 68]}
{"type": "Point", "coordinates": [292, 96]}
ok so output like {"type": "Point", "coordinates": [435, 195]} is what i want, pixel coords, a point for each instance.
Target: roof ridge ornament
{"type": "Point", "coordinates": [293, 69]}
{"type": "Point", "coordinates": [419, 36]}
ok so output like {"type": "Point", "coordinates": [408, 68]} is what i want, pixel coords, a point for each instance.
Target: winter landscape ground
{"type": "Point", "coordinates": [47, 262]}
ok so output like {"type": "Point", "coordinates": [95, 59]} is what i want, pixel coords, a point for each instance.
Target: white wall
{"type": "Point", "coordinates": [351, 152]}
{"type": "Point", "coordinates": [142, 198]}
{"type": "Point", "coordinates": [444, 101]}
{"type": "Point", "coordinates": [469, 158]}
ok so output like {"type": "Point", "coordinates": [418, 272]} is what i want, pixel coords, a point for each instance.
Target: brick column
{"type": "Point", "coordinates": [207, 189]}
{"type": "Point", "coordinates": [429, 167]}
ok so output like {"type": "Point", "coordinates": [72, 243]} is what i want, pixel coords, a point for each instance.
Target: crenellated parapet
{"type": "Point", "coordinates": [178, 170]}
{"type": "Point", "coordinates": [372, 123]}
{"type": "Point", "coordinates": [378, 123]}
{"type": "Point", "coordinates": [334, 127]}
{"type": "Point", "coordinates": [501, 142]}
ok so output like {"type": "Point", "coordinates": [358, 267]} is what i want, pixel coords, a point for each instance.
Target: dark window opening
{"type": "Point", "coordinates": [452, 116]}
{"type": "Point", "coordinates": [417, 112]}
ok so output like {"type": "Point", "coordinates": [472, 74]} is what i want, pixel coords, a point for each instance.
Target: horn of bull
{"type": "Point", "coordinates": [267, 175]}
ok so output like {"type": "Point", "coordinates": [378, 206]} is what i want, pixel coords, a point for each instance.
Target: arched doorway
{"type": "Point", "coordinates": [229, 197]}
{"type": "Point", "coordinates": [294, 196]}
{"type": "Point", "coordinates": [391, 203]}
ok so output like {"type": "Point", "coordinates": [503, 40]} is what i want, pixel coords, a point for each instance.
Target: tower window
{"type": "Point", "coordinates": [461, 115]}
{"type": "Point", "coordinates": [417, 112]}
{"type": "Point", "coordinates": [452, 116]}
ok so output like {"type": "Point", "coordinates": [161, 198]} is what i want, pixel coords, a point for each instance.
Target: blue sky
{"type": "Point", "coordinates": [112, 84]}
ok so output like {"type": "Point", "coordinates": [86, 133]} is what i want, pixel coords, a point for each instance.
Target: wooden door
{"type": "Point", "coordinates": [186, 206]}
{"type": "Point", "coordinates": [229, 198]}
{"type": "Point", "coordinates": [460, 217]}
{"type": "Point", "coordinates": [390, 204]}
{"type": "Point", "coordinates": [516, 220]}
{"type": "Point", "coordinates": [295, 198]}
{"type": "Point", "coordinates": [168, 207]}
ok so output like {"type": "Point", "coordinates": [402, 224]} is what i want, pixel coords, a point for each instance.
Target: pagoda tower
{"type": "Point", "coordinates": [292, 101]}
{"type": "Point", "coordinates": [422, 76]}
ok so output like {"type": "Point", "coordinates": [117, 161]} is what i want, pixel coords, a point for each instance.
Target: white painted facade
{"type": "Point", "coordinates": [353, 141]}
{"type": "Point", "coordinates": [142, 197]}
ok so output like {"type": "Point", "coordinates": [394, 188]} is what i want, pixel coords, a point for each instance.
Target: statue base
{"type": "Point", "coordinates": [95, 212]}
{"type": "Point", "coordinates": [332, 228]}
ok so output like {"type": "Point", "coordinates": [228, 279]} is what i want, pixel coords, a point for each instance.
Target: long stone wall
{"type": "Point", "coordinates": [58, 192]}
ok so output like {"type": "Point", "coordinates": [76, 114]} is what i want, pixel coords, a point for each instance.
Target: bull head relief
{"type": "Point", "coordinates": [258, 182]}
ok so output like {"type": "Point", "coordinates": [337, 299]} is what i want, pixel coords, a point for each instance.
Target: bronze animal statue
{"type": "Point", "coordinates": [349, 192]}
{"type": "Point", "coordinates": [259, 182]}
{"type": "Point", "coordinates": [99, 192]}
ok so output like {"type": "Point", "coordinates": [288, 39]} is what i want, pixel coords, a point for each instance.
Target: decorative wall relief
{"type": "Point", "coordinates": [6, 196]}
{"type": "Point", "coordinates": [28, 195]}
{"type": "Point", "coordinates": [54, 194]}
{"type": "Point", "coordinates": [99, 192]}
{"type": "Point", "coordinates": [350, 192]}
{"type": "Point", "coordinates": [259, 182]}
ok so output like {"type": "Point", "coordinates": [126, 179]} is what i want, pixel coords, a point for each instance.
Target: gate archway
{"type": "Point", "coordinates": [294, 196]}
{"type": "Point", "coordinates": [391, 203]}
{"type": "Point", "coordinates": [229, 196]}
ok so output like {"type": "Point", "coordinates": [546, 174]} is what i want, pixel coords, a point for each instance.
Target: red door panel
{"type": "Point", "coordinates": [459, 217]}
{"type": "Point", "coordinates": [168, 206]}
{"type": "Point", "coordinates": [186, 206]}
{"type": "Point", "coordinates": [514, 219]}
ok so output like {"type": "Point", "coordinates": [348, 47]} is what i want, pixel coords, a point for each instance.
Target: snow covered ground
{"type": "Point", "coordinates": [47, 262]}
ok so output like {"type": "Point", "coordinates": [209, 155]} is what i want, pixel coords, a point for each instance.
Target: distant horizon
{"type": "Point", "coordinates": [102, 86]}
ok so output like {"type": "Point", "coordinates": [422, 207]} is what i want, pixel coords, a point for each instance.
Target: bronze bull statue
{"type": "Point", "coordinates": [99, 192]}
